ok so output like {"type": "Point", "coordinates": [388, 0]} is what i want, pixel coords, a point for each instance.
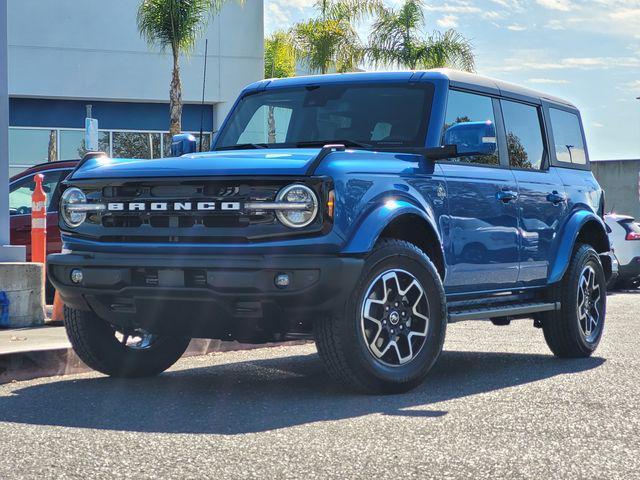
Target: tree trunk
{"type": "Point", "coordinates": [52, 153]}
{"type": "Point", "coordinates": [175, 97]}
{"type": "Point", "coordinates": [271, 124]}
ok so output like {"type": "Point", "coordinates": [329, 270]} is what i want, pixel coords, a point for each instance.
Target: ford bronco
{"type": "Point", "coordinates": [366, 211]}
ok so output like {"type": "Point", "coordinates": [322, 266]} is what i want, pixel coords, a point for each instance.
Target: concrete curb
{"type": "Point", "coordinates": [20, 366]}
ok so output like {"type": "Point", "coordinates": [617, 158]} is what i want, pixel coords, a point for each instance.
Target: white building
{"type": "Point", "coordinates": [65, 54]}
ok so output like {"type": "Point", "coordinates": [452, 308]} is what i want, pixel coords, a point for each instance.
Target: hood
{"type": "Point", "coordinates": [290, 162]}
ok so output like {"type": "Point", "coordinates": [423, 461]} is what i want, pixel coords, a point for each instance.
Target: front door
{"type": "Point", "coordinates": [481, 229]}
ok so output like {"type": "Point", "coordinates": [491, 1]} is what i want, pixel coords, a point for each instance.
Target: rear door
{"type": "Point", "coordinates": [542, 200]}
{"type": "Point", "coordinates": [481, 231]}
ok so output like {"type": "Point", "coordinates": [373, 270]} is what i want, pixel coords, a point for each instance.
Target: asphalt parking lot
{"type": "Point", "coordinates": [497, 405]}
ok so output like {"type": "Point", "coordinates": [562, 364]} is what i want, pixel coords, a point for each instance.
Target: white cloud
{"type": "Point", "coordinates": [556, 25]}
{"type": "Point", "coordinates": [300, 4]}
{"type": "Point", "coordinates": [275, 17]}
{"type": "Point", "coordinates": [633, 86]}
{"type": "Point", "coordinates": [459, 8]}
{"type": "Point", "coordinates": [597, 125]}
{"type": "Point", "coordinates": [448, 21]}
{"type": "Point", "coordinates": [525, 60]}
{"type": "Point", "coordinates": [516, 28]}
{"type": "Point", "coordinates": [562, 5]}
{"type": "Point", "coordinates": [548, 81]}
{"type": "Point", "coordinates": [493, 15]}
{"type": "Point", "coordinates": [511, 4]}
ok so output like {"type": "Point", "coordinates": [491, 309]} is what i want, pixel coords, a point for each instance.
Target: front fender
{"type": "Point", "coordinates": [569, 235]}
{"type": "Point", "coordinates": [376, 221]}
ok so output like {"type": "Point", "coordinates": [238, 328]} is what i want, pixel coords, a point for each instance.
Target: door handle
{"type": "Point", "coordinates": [556, 198]}
{"type": "Point", "coordinates": [506, 195]}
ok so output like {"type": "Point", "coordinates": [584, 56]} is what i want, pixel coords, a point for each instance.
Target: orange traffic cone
{"type": "Point", "coordinates": [57, 315]}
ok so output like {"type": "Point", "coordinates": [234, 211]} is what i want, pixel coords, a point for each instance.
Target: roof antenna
{"type": "Point", "coordinates": [204, 82]}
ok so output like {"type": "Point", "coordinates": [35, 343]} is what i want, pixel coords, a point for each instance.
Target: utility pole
{"type": "Point", "coordinates": [7, 253]}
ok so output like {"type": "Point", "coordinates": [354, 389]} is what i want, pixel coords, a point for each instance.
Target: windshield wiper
{"type": "Point", "coordinates": [346, 143]}
{"type": "Point", "coordinates": [244, 146]}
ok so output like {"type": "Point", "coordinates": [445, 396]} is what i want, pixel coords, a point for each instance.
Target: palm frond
{"type": "Point", "coordinates": [175, 23]}
{"type": "Point", "coordinates": [396, 40]}
{"type": "Point", "coordinates": [349, 10]}
{"type": "Point", "coordinates": [279, 55]}
{"type": "Point", "coordinates": [448, 49]}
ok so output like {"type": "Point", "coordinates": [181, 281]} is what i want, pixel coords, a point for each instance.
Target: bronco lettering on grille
{"type": "Point", "coordinates": [173, 206]}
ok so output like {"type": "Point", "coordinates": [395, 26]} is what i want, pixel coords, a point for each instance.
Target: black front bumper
{"type": "Point", "coordinates": [227, 297]}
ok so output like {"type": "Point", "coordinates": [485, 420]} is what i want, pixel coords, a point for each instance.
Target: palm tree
{"type": "Point", "coordinates": [330, 40]}
{"type": "Point", "coordinates": [279, 55]}
{"type": "Point", "coordinates": [279, 62]}
{"type": "Point", "coordinates": [396, 40]}
{"type": "Point", "coordinates": [175, 24]}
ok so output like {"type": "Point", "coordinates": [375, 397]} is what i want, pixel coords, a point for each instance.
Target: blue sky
{"type": "Point", "coordinates": [587, 51]}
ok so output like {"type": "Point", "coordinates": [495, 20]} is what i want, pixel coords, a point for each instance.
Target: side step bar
{"type": "Point", "coordinates": [518, 310]}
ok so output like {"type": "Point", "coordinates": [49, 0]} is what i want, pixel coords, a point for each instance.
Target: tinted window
{"type": "Point", "coordinates": [524, 135]}
{"type": "Point", "coordinates": [470, 125]}
{"type": "Point", "coordinates": [20, 192]}
{"type": "Point", "coordinates": [381, 115]}
{"type": "Point", "coordinates": [567, 137]}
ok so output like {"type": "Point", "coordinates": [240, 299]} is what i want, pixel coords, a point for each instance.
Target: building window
{"type": "Point", "coordinates": [30, 146]}
{"type": "Point", "coordinates": [72, 144]}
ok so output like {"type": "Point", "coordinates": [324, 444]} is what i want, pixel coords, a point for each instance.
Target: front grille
{"type": "Point", "coordinates": [192, 226]}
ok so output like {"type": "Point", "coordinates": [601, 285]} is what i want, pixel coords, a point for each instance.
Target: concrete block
{"type": "Point", "coordinates": [24, 286]}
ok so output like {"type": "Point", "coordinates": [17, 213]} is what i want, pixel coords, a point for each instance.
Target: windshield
{"type": "Point", "coordinates": [356, 115]}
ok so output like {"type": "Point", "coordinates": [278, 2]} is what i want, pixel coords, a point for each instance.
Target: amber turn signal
{"type": "Point", "coordinates": [331, 203]}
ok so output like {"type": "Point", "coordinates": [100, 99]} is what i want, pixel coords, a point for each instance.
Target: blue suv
{"type": "Point", "coordinates": [363, 210]}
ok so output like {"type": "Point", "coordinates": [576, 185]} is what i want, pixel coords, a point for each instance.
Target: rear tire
{"type": "Point", "coordinates": [575, 330]}
{"type": "Point", "coordinates": [387, 342]}
{"type": "Point", "coordinates": [95, 342]}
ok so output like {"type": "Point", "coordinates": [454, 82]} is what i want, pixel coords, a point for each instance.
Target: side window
{"type": "Point", "coordinates": [524, 135]}
{"type": "Point", "coordinates": [470, 125]}
{"type": "Point", "coordinates": [20, 192]}
{"type": "Point", "coordinates": [567, 137]}
{"type": "Point", "coordinates": [269, 124]}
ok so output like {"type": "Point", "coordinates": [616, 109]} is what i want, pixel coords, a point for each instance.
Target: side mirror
{"type": "Point", "coordinates": [472, 138]}
{"type": "Point", "coordinates": [183, 144]}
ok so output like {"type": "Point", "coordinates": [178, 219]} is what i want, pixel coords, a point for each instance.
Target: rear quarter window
{"type": "Point", "coordinates": [567, 137]}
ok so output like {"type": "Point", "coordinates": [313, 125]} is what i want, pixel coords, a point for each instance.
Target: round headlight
{"type": "Point", "coordinates": [297, 217]}
{"type": "Point", "coordinates": [70, 196]}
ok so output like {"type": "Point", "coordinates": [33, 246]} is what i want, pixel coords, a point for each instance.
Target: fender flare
{"type": "Point", "coordinates": [373, 224]}
{"type": "Point", "coordinates": [569, 235]}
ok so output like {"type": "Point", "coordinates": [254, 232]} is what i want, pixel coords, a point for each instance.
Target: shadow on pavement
{"type": "Point", "coordinates": [263, 395]}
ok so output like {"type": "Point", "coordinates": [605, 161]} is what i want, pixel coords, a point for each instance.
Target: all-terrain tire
{"type": "Point", "coordinates": [341, 341]}
{"type": "Point", "coordinates": [94, 341]}
{"type": "Point", "coordinates": [562, 329]}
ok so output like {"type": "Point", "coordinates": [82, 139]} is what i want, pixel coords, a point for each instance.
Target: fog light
{"type": "Point", "coordinates": [282, 280]}
{"type": "Point", "coordinates": [76, 275]}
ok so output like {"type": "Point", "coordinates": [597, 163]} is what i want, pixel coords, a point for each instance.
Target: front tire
{"type": "Point", "coordinates": [575, 330]}
{"type": "Point", "coordinates": [129, 354]}
{"type": "Point", "coordinates": [392, 329]}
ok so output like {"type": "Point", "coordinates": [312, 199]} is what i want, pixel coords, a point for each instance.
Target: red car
{"type": "Point", "coordinates": [20, 190]}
